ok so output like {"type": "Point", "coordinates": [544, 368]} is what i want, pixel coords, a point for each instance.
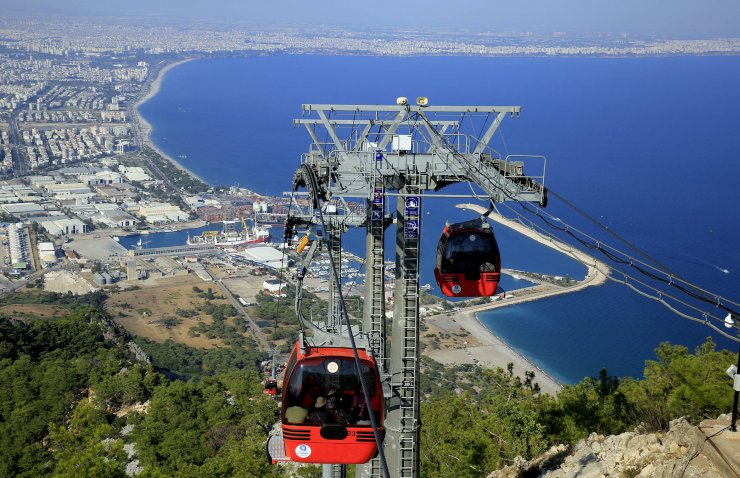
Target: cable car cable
{"type": "Point", "coordinates": [288, 230]}
{"type": "Point", "coordinates": [660, 293]}
{"type": "Point", "coordinates": [610, 232]}
{"type": "Point", "coordinates": [672, 280]}
{"type": "Point", "coordinates": [660, 296]}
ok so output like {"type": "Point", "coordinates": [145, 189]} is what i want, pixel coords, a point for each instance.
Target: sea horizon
{"type": "Point", "coordinates": [249, 116]}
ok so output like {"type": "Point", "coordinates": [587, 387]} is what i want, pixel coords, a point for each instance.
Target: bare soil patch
{"type": "Point", "coordinates": [442, 332]}
{"type": "Point", "coordinates": [19, 311]}
{"type": "Point", "coordinates": [149, 311]}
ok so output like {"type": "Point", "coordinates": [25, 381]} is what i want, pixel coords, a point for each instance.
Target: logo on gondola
{"type": "Point", "coordinates": [456, 289]}
{"type": "Point", "coordinates": [303, 451]}
{"type": "Point", "coordinates": [411, 229]}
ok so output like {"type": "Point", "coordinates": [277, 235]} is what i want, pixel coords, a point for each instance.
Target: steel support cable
{"type": "Point", "coordinates": [660, 294]}
{"type": "Point", "coordinates": [282, 268]}
{"type": "Point", "coordinates": [616, 259]}
{"type": "Point", "coordinates": [568, 248]}
{"type": "Point", "coordinates": [343, 307]}
{"type": "Point", "coordinates": [301, 274]}
{"type": "Point", "coordinates": [660, 297]}
{"type": "Point", "coordinates": [610, 232]}
{"type": "Point", "coordinates": [648, 270]}
{"type": "Point", "coordinates": [629, 260]}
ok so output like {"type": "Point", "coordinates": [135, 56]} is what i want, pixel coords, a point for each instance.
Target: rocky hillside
{"type": "Point", "coordinates": [683, 451]}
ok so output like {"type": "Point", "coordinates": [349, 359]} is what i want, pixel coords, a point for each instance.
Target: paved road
{"type": "Point", "coordinates": [20, 165]}
{"type": "Point", "coordinates": [262, 342]}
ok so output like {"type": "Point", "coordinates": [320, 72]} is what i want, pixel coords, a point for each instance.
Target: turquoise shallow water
{"type": "Point", "coordinates": [648, 146]}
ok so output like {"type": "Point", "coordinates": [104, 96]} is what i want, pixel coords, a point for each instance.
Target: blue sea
{"type": "Point", "coordinates": [650, 147]}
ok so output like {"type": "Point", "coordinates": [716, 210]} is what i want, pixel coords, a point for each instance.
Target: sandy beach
{"type": "Point", "coordinates": [143, 129]}
{"type": "Point", "coordinates": [485, 348]}
{"type": "Point", "coordinates": [489, 350]}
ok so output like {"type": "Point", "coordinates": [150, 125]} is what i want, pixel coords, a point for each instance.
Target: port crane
{"type": "Point", "coordinates": [391, 158]}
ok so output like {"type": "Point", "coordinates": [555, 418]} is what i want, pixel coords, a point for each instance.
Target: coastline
{"type": "Point", "coordinates": [143, 129]}
{"type": "Point", "coordinates": [489, 350]}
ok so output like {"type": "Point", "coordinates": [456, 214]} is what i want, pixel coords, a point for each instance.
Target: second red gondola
{"type": "Point", "coordinates": [468, 260]}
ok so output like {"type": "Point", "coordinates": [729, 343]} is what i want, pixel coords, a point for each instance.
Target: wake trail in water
{"type": "Point", "coordinates": [726, 271]}
{"type": "Point", "coordinates": [695, 261]}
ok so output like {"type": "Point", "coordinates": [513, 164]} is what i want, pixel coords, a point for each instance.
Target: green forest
{"type": "Point", "coordinates": [74, 401]}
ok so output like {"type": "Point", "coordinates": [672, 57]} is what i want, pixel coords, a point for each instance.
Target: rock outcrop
{"type": "Point", "coordinates": [676, 453]}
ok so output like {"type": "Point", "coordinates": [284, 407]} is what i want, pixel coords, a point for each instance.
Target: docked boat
{"type": "Point", "coordinates": [230, 236]}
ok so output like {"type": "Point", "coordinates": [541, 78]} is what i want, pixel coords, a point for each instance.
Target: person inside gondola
{"type": "Point", "coordinates": [477, 250]}
{"type": "Point", "coordinates": [310, 391]}
{"type": "Point", "coordinates": [464, 261]}
{"type": "Point", "coordinates": [320, 414]}
{"type": "Point", "coordinates": [296, 414]}
{"type": "Point", "coordinates": [331, 400]}
{"type": "Point", "coordinates": [483, 255]}
{"type": "Point", "coordinates": [359, 413]}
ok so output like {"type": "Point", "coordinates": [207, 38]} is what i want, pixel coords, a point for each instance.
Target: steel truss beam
{"type": "Point", "coordinates": [440, 151]}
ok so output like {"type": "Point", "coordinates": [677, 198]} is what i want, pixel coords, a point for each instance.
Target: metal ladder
{"type": "Point", "coordinates": [375, 258]}
{"type": "Point", "coordinates": [409, 385]}
{"type": "Point", "coordinates": [375, 290]}
{"type": "Point", "coordinates": [336, 321]}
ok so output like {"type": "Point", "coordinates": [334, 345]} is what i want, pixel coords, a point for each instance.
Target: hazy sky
{"type": "Point", "coordinates": [672, 18]}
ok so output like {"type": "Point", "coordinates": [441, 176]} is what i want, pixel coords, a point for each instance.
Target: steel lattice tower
{"type": "Point", "coordinates": [407, 152]}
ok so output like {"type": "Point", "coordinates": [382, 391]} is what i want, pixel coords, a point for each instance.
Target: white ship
{"type": "Point", "coordinates": [230, 236]}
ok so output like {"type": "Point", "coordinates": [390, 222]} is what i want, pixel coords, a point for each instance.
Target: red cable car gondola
{"type": "Point", "coordinates": [468, 260]}
{"type": "Point", "coordinates": [324, 415]}
{"type": "Point", "coordinates": [271, 386]}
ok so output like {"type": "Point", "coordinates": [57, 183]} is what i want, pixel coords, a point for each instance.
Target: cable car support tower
{"type": "Point", "coordinates": [375, 154]}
